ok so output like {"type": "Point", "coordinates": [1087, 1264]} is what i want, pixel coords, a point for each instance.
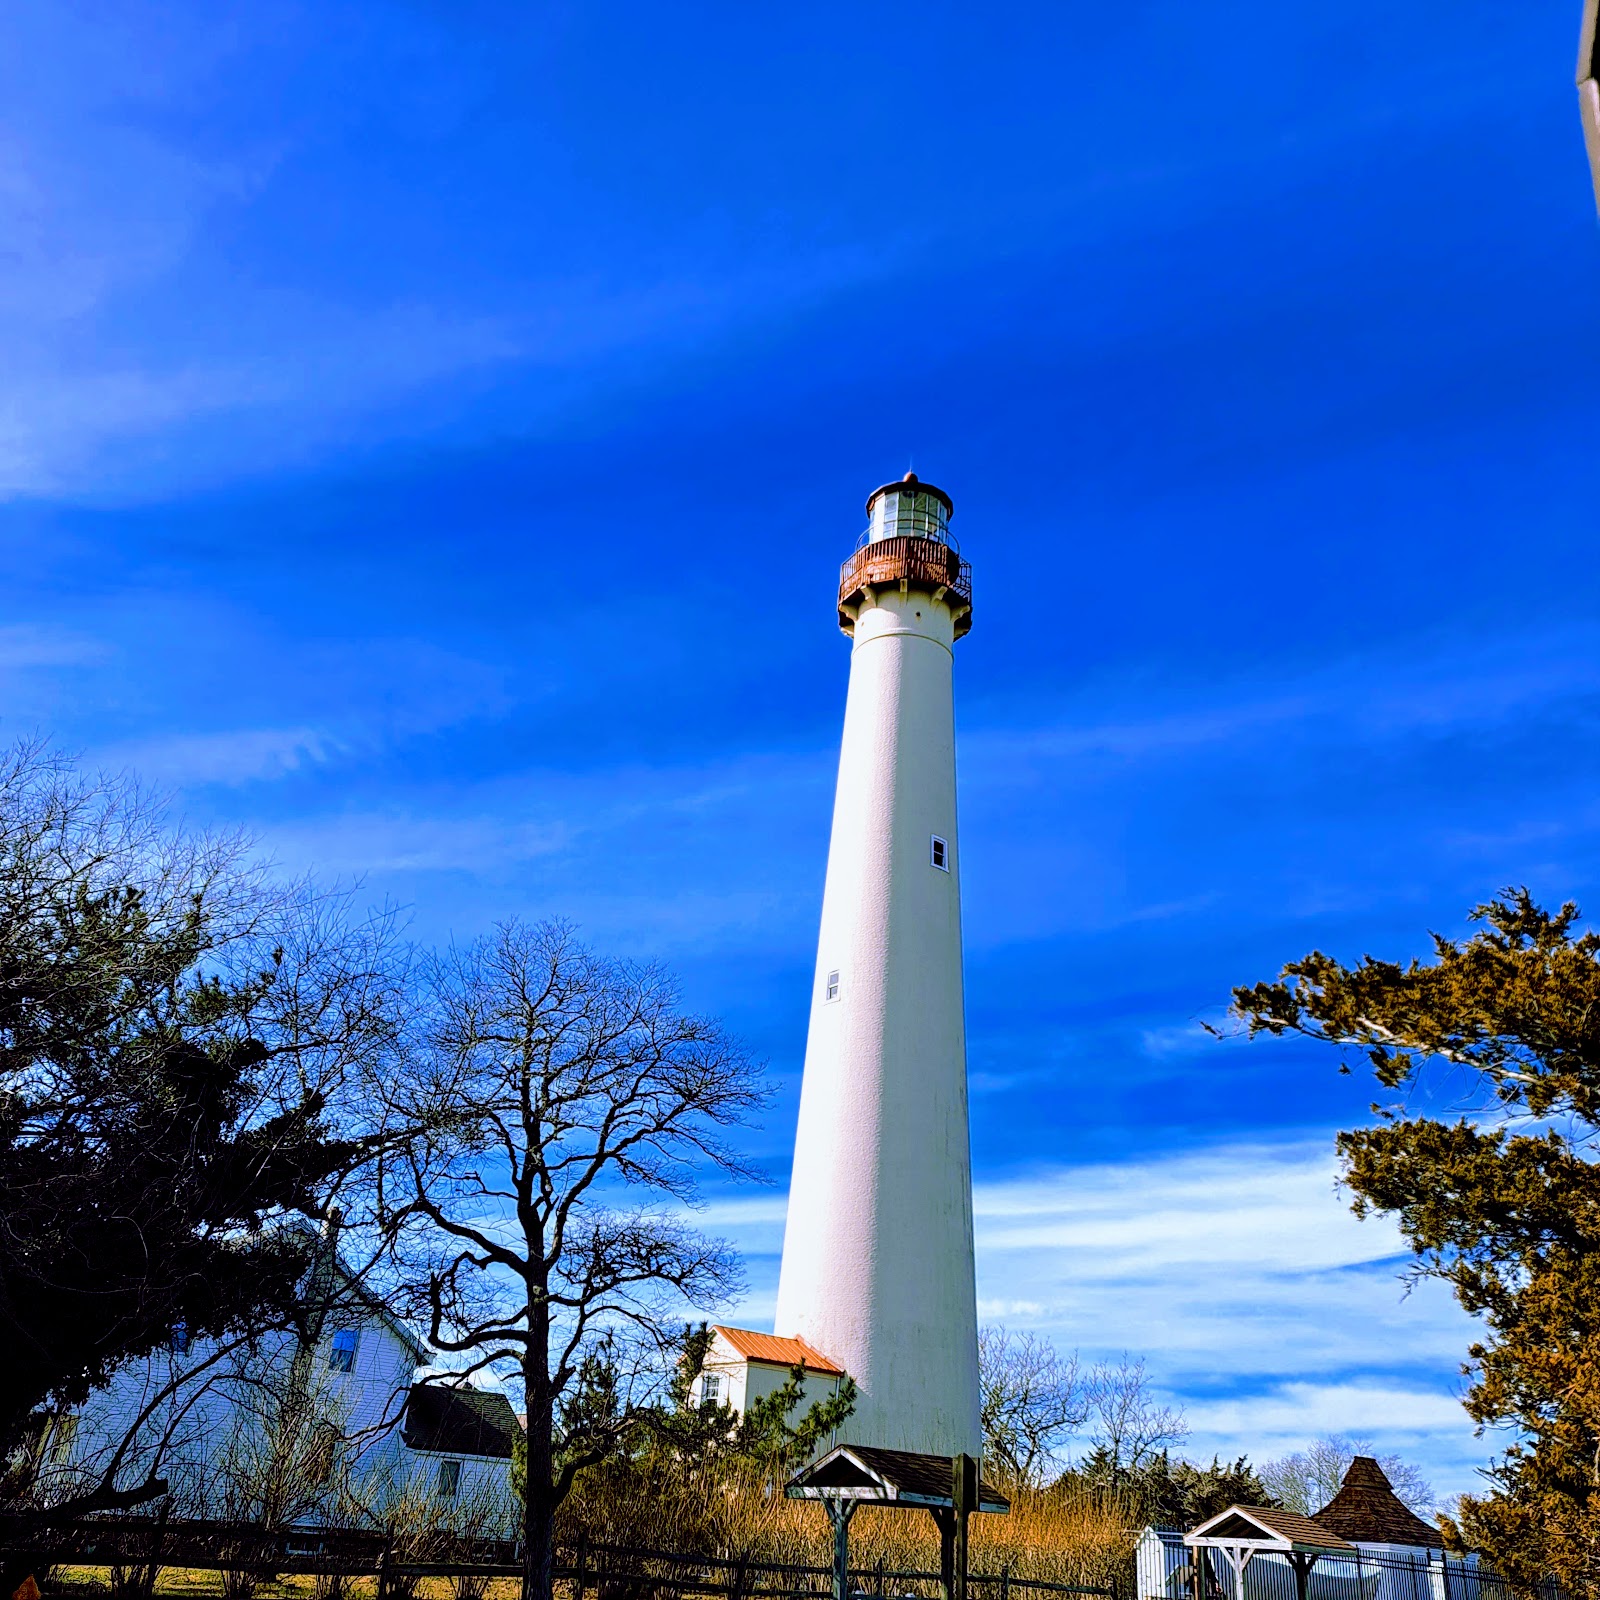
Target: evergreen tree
{"type": "Point", "coordinates": [1502, 1203]}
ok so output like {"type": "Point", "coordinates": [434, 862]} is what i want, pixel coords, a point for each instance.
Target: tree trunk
{"type": "Point", "coordinates": [538, 1509]}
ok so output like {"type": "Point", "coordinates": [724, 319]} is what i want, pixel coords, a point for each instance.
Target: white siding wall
{"type": "Point", "coordinates": [218, 1403]}
{"type": "Point", "coordinates": [483, 1491]}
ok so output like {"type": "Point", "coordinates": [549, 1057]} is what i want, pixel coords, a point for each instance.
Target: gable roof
{"type": "Point", "coordinates": [885, 1477]}
{"type": "Point", "coordinates": [777, 1351]}
{"type": "Point", "coordinates": [1270, 1528]}
{"type": "Point", "coordinates": [459, 1422]}
{"type": "Point", "coordinates": [1367, 1508]}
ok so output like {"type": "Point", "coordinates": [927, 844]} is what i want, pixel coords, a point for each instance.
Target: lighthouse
{"type": "Point", "coordinates": [877, 1251]}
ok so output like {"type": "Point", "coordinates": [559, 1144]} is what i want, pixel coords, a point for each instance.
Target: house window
{"type": "Point", "coordinates": [320, 1453]}
{"type": "Point", "coordinates": [180, 1340]}
{"type": "Point", "coordinates": [710, 1388]}
{"type": "Point", "coordinates": [831, 989]}
{"type": "Point", "coordinates": [941, 854]}
{"type": "Point", "coordinates": [449, 1479]}
{"type": "Point", "coordinates": [342, 1357]}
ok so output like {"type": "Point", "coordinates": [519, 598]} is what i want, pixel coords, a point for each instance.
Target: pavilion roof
{"type": "Point", "coordinates": [885, 1477]}
{"type": "Point", "coordinates": [1367, 1508]}
{"type": "Point", "coordinates": [1269, 1529]}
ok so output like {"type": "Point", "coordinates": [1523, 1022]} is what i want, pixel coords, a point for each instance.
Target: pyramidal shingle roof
{"type": "Point", "coordinates": [1367, 1509]}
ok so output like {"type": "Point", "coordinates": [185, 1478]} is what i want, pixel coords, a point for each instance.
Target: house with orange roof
{"type": "Point", "coordinates": [743, 1366]}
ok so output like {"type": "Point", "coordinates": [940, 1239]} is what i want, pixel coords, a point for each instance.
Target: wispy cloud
{"type": "Point", "coordinates": [1290, 1415]}
{"type": "Point", "coordinates": [234, 757]}
{"type": "Point", "coordinates": [27, 646]}
{"type": "Point", "coordinates": [1389, 695]}
{"type": "Point", "coordinates": [394, 841]}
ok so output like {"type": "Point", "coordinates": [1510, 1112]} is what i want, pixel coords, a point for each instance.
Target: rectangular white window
{"type": "Point", "coordinates": [342, 1355]}
{"type": "Point", "coordinates": [449, 1479]}
{"type": "Point", "coordinates": [710, 1388]}
{"type": "Point", "coordinates": [831, 989]}
{"type": "Point", "coordinates": [941, 854]}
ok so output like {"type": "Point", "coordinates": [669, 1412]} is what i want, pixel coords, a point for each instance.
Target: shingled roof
{"type": "Point", "coordinates": [885, 1477]}
{"type": "Point", "coordinates": [1270, 1527]}
{"type": "Point", "coordinates": [1367, 1509]}
{"type": "Point", "coordinates": [459, 1422]}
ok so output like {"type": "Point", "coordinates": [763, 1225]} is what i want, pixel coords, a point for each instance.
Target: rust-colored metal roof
{"type": "Point", "coordinates": [1367, 1508]}
{"type": "Point", "coordinates": [778, 1351]}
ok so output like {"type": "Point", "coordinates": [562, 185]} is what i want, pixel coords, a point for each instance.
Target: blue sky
{"type": "Point", "coordinates": [428, 435]}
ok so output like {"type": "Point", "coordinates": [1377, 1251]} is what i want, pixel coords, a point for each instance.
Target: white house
{"type": "Point", "coordinates": [245, 1428]}
{"type": "Point", "coordinates": [743, 1366]}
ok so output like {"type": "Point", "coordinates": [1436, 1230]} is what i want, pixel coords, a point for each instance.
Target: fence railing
{"type": "Point", "coordinates": [613, 1572]}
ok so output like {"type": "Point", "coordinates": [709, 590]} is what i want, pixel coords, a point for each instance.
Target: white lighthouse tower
{"type": "Point", "coordinates": [877, 1252]}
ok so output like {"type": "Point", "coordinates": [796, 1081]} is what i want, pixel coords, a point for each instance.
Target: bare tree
{"type": "Point", "coordinates": [1033, 1400]}
{"type": "Point", "coordinates": [1306, 1480]}
{"type": "Point", "coordinates": [1127, 1423]}
{"type": "Point", "coordinates": [576, 1106]}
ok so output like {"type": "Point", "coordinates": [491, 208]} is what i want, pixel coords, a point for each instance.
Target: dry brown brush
{"type": "Point", "coordinates": [738, 1513]}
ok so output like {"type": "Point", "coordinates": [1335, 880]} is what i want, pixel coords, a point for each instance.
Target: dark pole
{"type": "Point", "coordinates": [945, 1518]}
{"type": "Point", "coordinates": [964, 1492]}
{"type": "Point", "coordinates": [839, 1514]}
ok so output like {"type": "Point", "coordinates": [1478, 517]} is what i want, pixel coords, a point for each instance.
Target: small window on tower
{"type": "Point", "coordinates": [711, 1388]}
{"type": "Point", "coordinates": [941, 854]}
{"type": "Point", "coordinates": [831, 991]}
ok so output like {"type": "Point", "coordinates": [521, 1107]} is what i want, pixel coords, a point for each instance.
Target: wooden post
{"type": "Point", "coordinates": [580, 1573]}
{"type": "Point", "coordinates": [945, 1518]}
{"type": "Point", "coordinates": [383, 1571]}
{"type": "Point", "coordinates": [839, 1514]}
{"type": "Point", "coordinates": [964, 1492]}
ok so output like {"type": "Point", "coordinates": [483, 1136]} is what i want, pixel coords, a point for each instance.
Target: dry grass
{"type": "Point", "coordinates": [1051, 1535]}
{"type": "Point", "coordinates": [195, 1583]}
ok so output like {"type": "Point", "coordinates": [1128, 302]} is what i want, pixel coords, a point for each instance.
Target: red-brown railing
{"type": "Point", "coordinates": [924, 562]}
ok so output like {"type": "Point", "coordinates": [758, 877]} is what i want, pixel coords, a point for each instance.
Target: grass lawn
{"type": "Point", "coordinates": [199, 1583]}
